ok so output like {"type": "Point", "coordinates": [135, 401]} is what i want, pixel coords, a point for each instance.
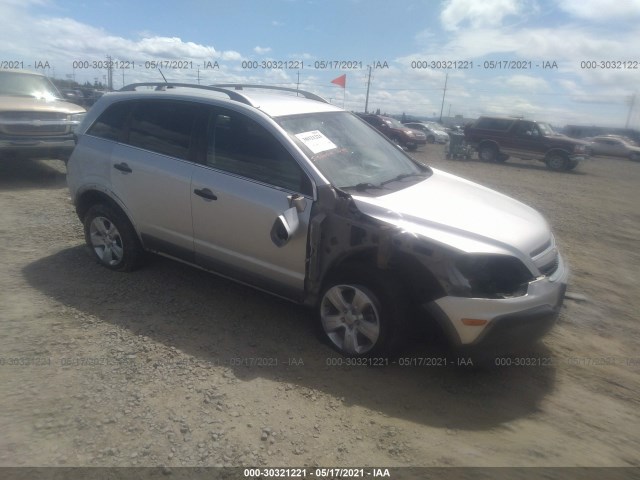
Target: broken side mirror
{"type": "Point", "coordinates": [285, 227]}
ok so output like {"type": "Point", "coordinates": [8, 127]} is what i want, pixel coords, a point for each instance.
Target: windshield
{"type": "Point", "coordinates": [546, 129]}
{"type": "Point", "coordinates": [392, 122]}
{"type": "Point", "coordinates": [26, 85]}
{"type": "Point", "coordinates": [347, 151]}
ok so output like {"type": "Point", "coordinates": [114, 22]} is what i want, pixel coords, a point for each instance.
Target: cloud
{"type": "Point", "coordinates": [527, 82]}
{"type": "Point", "coordinates": [262, 50]}
{"type": "Point", "coordinates": [488, 13]}
{"type": "Point", "coordinates": [276, 23]}
{"type": "Point", "coordinates": [602, 10]}
{"type": "Point", "coordinates": [62, 40]}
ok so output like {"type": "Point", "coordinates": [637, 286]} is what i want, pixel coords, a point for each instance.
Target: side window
{"type": "Point", "coordinates": [526, 129]}
{"type": "Point", "coordinates": [239, 145]}
{"type": "Point", "coordinates": [111, 124]}
{"type": "Point", "coordinates": [163, 126]}
{"type": "Point", "coordinates": [493, 123]}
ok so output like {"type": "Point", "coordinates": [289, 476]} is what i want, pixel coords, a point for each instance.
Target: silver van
{"type": "Point", "coordinates": [280, 190]}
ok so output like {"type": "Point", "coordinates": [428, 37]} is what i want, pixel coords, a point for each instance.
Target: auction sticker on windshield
{"type": "Point", "coordinates": [315, 141]}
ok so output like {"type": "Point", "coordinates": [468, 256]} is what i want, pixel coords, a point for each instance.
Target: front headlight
{"type": "Point", "coordinates": [75, 119]}
{"type": "Point", "coordinates": [489, 276]}
{"type": "Point", "coordinates": [409, 133]}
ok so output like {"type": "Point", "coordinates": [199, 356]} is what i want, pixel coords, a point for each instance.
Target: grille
{"type": "Point", "coordinates": [546, 258]}
{"type": "Point", "coordinates": [34, 123]}
{"type": "Point", "coordinates": [29, 116]}
{"type": "Point", "coordinates": [550, 267]}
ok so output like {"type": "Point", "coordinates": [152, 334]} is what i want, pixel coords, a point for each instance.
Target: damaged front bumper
{"type": "Point", "coordinates": [495, 324]}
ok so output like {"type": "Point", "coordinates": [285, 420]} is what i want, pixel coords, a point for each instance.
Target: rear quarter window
{"type": "Point", "coordinates": [163, 126]}
{"type": "Point", "coordinates": [111, 124]}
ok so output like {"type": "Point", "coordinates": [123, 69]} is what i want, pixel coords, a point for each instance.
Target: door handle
{"type": "Point", "coordinates": [123, 167]}
{"type": "Point", "coordinates": [205, 193]}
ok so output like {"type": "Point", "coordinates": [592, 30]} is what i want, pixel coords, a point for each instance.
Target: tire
{"type": "Point", "coordinates": [488, 153]}
{"type": "Point", "coordinates": [431, 139]}
{"type": "Point", "coordinates": [111, 238]}
{"type": "Point", "coordinates": [502, 157]}
{"type": "Point", "coordinates": [363, 313]}
{"type": "Point", "coordinates": [411, 147]}
{"type": "Point", "coordinates": [634, 157]}
{"type": "Point", "coordinates": [557, 162]}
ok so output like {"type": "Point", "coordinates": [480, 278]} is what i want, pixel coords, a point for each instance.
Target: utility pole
{"type": "Point", "coordinates": [631, 104]}
{"type": "Point", "coordinates": [298, 84]}
{"type": "Point", "coordinates": [366, 102]}
{"type": "Point", "coordinates": [198, 75]}
{"type": "Point", "coordinates": [109, 73]}
{"type": "Point", "coordinates": [443, 95]}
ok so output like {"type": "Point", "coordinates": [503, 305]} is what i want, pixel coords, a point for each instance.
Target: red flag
{"type": "Point", "coordinates": [341, 80]}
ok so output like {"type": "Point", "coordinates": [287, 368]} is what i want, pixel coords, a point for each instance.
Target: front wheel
{"type": "Point", "coordinates": [362, 314]}
{"type": "Point", "coordinates": [557, 162]}
{"type": "Point", "coordinates": [111, 238]}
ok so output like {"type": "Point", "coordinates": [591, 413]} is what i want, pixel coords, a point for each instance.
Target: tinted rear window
{"type": "Point", "coordinates": [493, 123]}
{"type": "Point", "coordinates": [163, 127]}
{"type": "Point", "coordinates": [111, 124]}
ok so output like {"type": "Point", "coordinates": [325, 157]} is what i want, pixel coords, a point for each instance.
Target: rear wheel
{"type": "Point", "coordinates": [557, 162]}
{"type": "Point", "coordinates": [635, 156]}
{"type": "Point", "coordinates": [111, 238]}
{"type": "Point", "coordinates": [488, 153]}
{"type": "Point", "coordinates": [363, 312]}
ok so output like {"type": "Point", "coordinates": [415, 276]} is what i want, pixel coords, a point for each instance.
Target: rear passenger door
{"type": "Point", "coordinates": [247, 179]}
{"type": "Point", "coordinates": [151, 173]}
{"type": "Point", "coordinates": [525, 141]}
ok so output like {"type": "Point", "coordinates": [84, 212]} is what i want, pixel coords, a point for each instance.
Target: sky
{"type": "Point", "coordinates": [565, 62]}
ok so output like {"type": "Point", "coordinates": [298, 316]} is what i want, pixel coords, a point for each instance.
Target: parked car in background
{"type": "Point", "coordinates": [396, 131]}
{"type": "Point", "coordinates": [73, 95]}
{"type": "Point", "coordinates": [302, 199]}
{"type": "Point", "coordinates": [91, 96]}
{"type": "Point", "coordinates": [35, 121]}
{"type": "Point", "coordinates": [496, 138]}
{"type": "Point", "coordinates": [616, 146]}
{"type": "Point", "coordinates": [434, 132]}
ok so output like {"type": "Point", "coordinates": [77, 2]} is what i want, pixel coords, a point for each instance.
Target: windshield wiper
{"type": "Point", "coordinates": [364, 186]}
{"type": "Point", "coordinates": [402, 176]}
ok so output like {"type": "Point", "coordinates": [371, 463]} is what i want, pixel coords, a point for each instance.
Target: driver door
{"type": "Point", "coordinates": [247, 181]}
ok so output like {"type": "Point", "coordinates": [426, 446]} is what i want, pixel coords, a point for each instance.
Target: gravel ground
{"type": "Point", "coordinates": [171, 366]}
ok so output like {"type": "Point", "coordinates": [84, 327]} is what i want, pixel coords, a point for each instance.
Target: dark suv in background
{"type": "Point", "coordinates": [497, 138]}
{"type": "Point", "coordinates": [408, 138]}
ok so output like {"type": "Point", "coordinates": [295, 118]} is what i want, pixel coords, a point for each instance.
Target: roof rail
{"type": "Point", "coordinates": [304, 93]}
{"type": "Point", "coordinates": [163, 86]}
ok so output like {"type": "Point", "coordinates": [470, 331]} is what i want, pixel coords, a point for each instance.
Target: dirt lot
{"type": "Point", "coordinates": [151, 368]}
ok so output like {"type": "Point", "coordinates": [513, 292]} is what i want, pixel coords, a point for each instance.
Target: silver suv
{"type": "Point", "coordinates": [280, 190]}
